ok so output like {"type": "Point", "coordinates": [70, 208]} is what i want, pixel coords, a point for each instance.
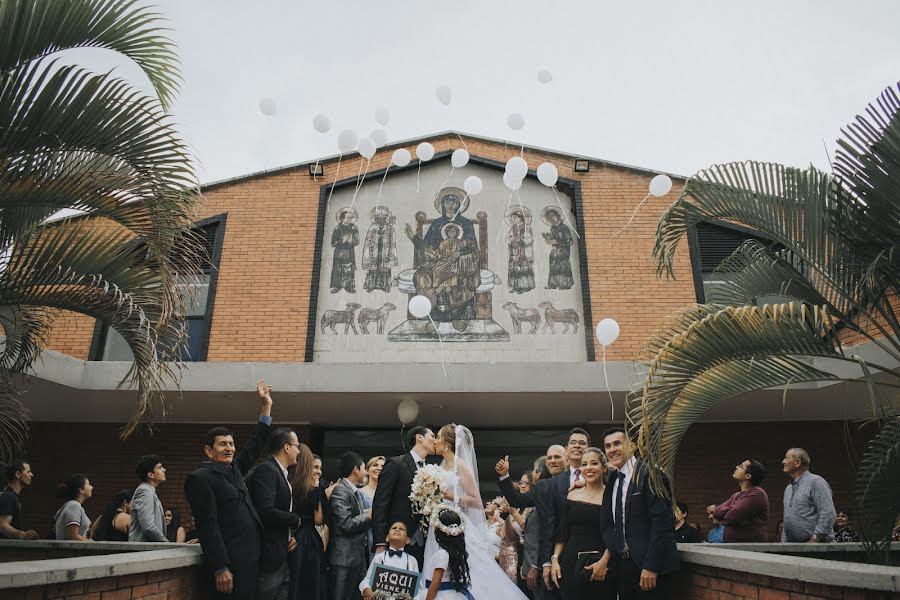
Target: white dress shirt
{"type": "Point", "coordinates": [416, 458]}
{"type": "Point", "coordinates": [572, 476]}
{"type": "Point", "coordinates": [284, 472]}
{"type": "Point", "coordinates": [627, 470]}
{"type": "Point", "coordinates": [405, 561]}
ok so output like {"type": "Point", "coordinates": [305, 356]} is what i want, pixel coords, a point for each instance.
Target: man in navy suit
{"type": "Point", "coordinates": [640, 523]}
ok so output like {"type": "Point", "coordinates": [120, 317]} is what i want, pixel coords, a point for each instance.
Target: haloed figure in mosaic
{"type": "Point", "coordinates": [379, 250]}
{"type": "Point", "coordinates": [520, 243]}
{"type": "Point", "coordinates": [560, 240]}
{"type": "Point", "coordinates": [344, 240]}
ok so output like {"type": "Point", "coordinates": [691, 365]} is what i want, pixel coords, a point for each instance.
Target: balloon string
{"type": "Point", "coordinates": [522, 151]}
{"type": "Point", "coordinates": [500, 228]}
{"type": "Point", "coordinates": [440, 339]}
{"type": "Point", "coordinates": [461, 204]}
{"type": "Point", "coordinates": [564, 213]}
{"type": "Point", "coordinates": [315, 169]}
{"type": "Point", "coordinates": [446, 181]}
{"type": "Point", "coordinates": [359, 181]}
{"type": "Point", "coordinates": [612, 408]}
{"type": "Point", "coordinates": [463, 142]}
{"type": "Point", "coordinates": [522, 208]}
{"type": "Point", "coordinates": [382, 182]}
{"type": "Point", "coordinates": [336, 173]}
{"type": "Point", "coordinates": [418, 172]}
{"type": "Point", "coordinates": [632, 217]}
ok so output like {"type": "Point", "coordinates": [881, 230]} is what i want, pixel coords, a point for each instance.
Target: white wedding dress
{"type": "Point", "coordinates": [489, 582]}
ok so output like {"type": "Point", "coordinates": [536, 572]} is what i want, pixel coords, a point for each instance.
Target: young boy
{"type": "Point", "coordinates": [395, 556]}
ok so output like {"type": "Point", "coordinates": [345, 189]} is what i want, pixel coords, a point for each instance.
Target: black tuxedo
{"type": "Point", "coordinates": [391, 503]}
{"type": "Point", "coordinates": [541, 498]}
{"type": "Point", "coordinates": [272, 498]}
{"type": "Point", "coordinates": [228, 525]}
{"type": "Point", "coordinates": [649, 530]}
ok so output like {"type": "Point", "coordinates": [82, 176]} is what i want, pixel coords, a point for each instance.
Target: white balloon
{"type": "Point", "coordinates": [660, 185]}
{"type": "Point", "coordinates": [607, 331]}
{"type": "Point", "coordinates": [419, 307]}
{"type": "Point", "coordinates": [515, 121]}
{"type": "Point", "coordinates": [407, 411]}
{"type": "Point", "coordinates": [379, 136]}
{"type": "Point", "coordinates": [382, 115]}
{"type": "Point", "coordinates": [547, 174]}
{"type": "Point", "coordinates": [268, 107]}
{"type": "Point", "coordinates": [517, 167]}
{"type": "Point", "coordinates": [401, 157]}
{"type": "Point", "coordinates": [544, 76]}
{"type": "Point", "coordinates": [424, 151]}
{"type": "Point", "coordinates": [321, 123]}
{"type": "Point", "coordinates": [444, 94]}
{"type": "Point", "coordinates": [513, 183]}
{"type": "Point", "coordinates": [459, 158]}
{"type": "Point", "coordinates": [347, 141]}
{"type": "Point", "coordinates": [473, 185]}
{"type": "Point", "coordinates": [367, 147]}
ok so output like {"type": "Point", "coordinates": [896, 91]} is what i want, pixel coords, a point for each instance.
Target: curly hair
{"type": "Point", "coordinates": [455, 545]}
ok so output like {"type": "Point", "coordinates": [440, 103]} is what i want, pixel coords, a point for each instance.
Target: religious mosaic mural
{"type": "Point", "coordinates": [498, 268]}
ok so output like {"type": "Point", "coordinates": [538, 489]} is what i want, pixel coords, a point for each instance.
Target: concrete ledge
{"type": "Point", "coordinates": [64, 570]}
{"type": "Point", "coordinates": [813, 570]}
{"type": "Point", "coordinates": [94, 547]}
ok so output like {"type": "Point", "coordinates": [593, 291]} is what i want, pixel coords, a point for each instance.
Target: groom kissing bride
{"type": "Point", "coordinates": [456, 446]}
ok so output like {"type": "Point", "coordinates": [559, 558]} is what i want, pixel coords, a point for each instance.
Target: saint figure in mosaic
{"type": "Point", "coordinates": [560, 240]}
{"type": "Point", "coordinates": [344, 240]}
{"type": "Point", "coordinates": [379, 250]}
{"type": "Point", "coordinates": [520, 244]}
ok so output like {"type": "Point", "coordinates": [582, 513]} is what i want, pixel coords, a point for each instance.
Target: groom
{"type": "Point", "coordinates": [391, 503]}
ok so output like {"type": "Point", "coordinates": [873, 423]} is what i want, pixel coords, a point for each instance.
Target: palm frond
{"type": "Point", "coordinates": [878, 489]}
{"type": "Point", "coordinates": [31, 30]}
{"type": "Point", "coordinates": [13, 420]}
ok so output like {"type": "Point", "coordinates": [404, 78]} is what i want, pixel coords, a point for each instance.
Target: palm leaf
{"type": "Point", "coordinates": [878, 488]}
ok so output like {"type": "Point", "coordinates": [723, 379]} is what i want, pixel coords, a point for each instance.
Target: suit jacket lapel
{"type": "Point", "coordinates": [410, 463]}
{"type": "Point", "coordinates": [636, 485]}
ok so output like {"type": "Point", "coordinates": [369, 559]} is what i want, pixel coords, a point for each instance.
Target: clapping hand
{"type": "Point", "coordinates": [502, 466]}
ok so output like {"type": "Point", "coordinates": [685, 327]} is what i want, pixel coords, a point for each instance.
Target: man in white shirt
{"type": "Point", "coordinates": [640, 524]}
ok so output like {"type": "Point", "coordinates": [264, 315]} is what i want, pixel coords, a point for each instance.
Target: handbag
{"type": "Point", "coordinates": [584, 560]}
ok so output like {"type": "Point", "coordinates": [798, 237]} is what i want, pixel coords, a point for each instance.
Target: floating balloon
{"type": "Point", "coordinates": [347, 141]}
{"type": "Point", "coordinates": [515, 121]}
{"type": "Point", "coordinates": [513, 183]}
{"type": "Point", "coordinates": [268, 107]}
{"type": "Point", "coordinates": [382, 116]}
{"type": "Point", "coordinates": [544, 76]}
{"type": "Point", "coordinates": [444, 95]}
{"type": "Point", "coordinates": [401, 158]}
{"type": "Point", "coordinates": [517, 167]}
{"type": "Point", "coordinates": [607, 331]}
{"type": "Point", "coordinates": [660, 185]}
{"type": "Point", "coordinates": [379, 136]}
{"type": "Point", "coordinates": [459, 158]}
{"type": "Point", "coordinates": [473, 185]}
{"type": "Point", "coordinates": [547, 174]}
{"type": "Point", "coordinates": [321, 123]}
{"type": "Point", "coordinates": [367, 148]}
{"type": "Point", "coordinates": [424, 151]}
{"type": "Point", "coordinates": [419, 307]}
{"type": "Point", "coordinates": [407, 411]}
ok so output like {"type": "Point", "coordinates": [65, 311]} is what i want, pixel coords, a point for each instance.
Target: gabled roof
{"type": "Point", "coordinates": [443, 134]}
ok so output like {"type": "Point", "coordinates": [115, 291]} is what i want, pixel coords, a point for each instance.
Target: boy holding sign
{"type": "Point", "coordinates": [393, 571]}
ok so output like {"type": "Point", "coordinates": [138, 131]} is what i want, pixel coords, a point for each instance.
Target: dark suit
{"type": "Point", "coordinates": [649, 534]}
{"type": "Point", "coordinates": [271, 496]}
{"type": "Point", "coordinates": [227, 523]}
{"type": "Point", "coordinates": [391, 504]}
{"type": "Point", "coordinates": [348, 548]}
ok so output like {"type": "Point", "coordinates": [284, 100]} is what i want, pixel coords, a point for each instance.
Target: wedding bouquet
{"type": "Point", "coordinates": [427, 491]}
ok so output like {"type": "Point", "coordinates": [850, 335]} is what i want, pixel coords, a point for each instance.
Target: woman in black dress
{"type": "Point", "coordinates": [307, 564]}
{"type": "Point", "coordinates": [580, 527]}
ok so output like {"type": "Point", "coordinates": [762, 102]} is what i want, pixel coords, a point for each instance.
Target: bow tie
{"type": "Point", "coordinates": [420, 463]}
{"type": "Point", "coordinates": [395, 553]}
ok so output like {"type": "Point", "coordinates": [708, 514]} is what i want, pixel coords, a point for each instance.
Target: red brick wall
{"type": "Point", "coordinates": [266, 268]}
{"type": "Point", "coordinates": [699, 582]}
{"type": "Point", "coordinates": [172, 584]}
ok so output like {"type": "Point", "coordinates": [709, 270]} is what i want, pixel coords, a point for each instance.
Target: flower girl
{"type": "Point", "coordinates": [447, 570]}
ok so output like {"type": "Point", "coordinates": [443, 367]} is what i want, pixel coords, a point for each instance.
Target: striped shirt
{"type": "Point", "coordinates": [808, 509]}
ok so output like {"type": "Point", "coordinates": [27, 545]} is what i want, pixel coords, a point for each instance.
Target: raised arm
{"type": "Point", "coordinates": [248, 455]}
{"type": "Point", "coordinates": [512, 495]}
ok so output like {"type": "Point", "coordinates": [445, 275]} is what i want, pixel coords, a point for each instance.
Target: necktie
{"type": "Point", "coordinates": [577, 475]}
{"type": "Point", "coordinates": [395, 553]}
{"type": "Point", "coordinates": [620, 514]}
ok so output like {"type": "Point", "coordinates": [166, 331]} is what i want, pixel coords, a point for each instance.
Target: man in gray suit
{"type": "Point", "coordinates": [531, 566]}
{"type": "Point", "coordinates": [349, 542]}
{"type": "Point", "coordinates": [148, 520]}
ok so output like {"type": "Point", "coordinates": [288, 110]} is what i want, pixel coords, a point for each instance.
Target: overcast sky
{"type": "Point", "coordinates": [667, 85]}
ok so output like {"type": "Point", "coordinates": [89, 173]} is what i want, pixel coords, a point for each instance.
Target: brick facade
{"type": "Point", "coordinates": [268, 256]}
{"type": "Point", "coordinates": [172, 584]}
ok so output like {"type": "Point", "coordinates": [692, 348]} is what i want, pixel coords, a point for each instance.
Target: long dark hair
{"type": "Point", "coordinates": [455, 545]}
{"type": "Point", "coordinates": [301, 478]}
{"type": "Point", "coordinates": [105, 527]}
{"type": "Point", "coordinates": [172, 528]}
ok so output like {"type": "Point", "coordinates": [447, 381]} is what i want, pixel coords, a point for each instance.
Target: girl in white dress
{"type": "Point", "coordinates": [446, 570]}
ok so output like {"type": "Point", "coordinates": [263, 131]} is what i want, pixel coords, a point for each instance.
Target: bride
{"type": "Point", "coordinates": [455, 444]}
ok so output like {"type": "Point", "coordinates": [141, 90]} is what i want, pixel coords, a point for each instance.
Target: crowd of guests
{"type": "Point", "coordinates": [585, 522]}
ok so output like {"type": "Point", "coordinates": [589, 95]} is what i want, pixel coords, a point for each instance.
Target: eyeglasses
{"type": "Point", "coordinates": [578, 443]}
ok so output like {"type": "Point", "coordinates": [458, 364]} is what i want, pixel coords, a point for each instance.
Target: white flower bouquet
{"type": "Point", "coordinates": [427, 491]}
